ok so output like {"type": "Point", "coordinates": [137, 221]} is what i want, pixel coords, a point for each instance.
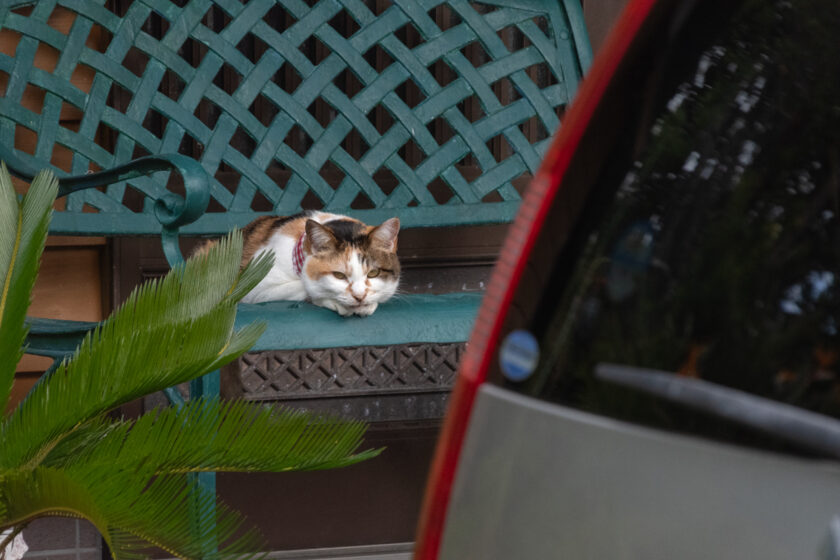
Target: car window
{"type": "Point", "coordinates": [712, 248]}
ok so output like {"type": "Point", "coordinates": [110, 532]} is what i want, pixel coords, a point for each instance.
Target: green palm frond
{"type": "Point", "coordinates": [251, 276]}
{"type": "Point", "coordinates": [167, 332]}
{"type": "Point", "coordinates": [60, 453]}
{"type": "Point", "coordinates": [40, 492]}
{"type": "Point", "coordinates": [23, 231]}
{"type": "Point", "coordinates": [183, 519]}
{"type": "Point", "coordinates": [209, 435]}
{"type": "Point", "coordinates": [162, 446]}
{"type": "Point", "coordinates": [81, 440]}
{"type": "Point", "coordinates": [168, 512]}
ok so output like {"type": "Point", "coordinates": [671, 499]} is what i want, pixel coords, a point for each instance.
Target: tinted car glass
{"type": "Point", "coordinates": [709, 245]}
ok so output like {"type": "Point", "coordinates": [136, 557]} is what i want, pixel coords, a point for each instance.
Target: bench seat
{"type": "Point", "coordinates": [409, 318]}
{"type": "Point", "coordinates": [290, 325]}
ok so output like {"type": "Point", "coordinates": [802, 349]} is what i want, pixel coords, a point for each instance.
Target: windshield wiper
{"type": "Point", "coordinates": [795, 425]}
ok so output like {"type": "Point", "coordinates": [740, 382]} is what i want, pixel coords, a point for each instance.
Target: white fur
{"type": "Point", "coordinates": [281, 283]}
{"type": "Point", "coordinates": [332, 293]}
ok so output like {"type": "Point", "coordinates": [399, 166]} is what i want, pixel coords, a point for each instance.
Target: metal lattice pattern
{"type": "Point", "coordinates": [349, 371]}
{"type": "Point", "coordinates": [399, 105]}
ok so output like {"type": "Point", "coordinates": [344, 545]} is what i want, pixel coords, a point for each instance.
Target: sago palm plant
{"type": "Point", "coordinates": [61, 452]}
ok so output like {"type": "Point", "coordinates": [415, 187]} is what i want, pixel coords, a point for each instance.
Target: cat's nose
{"type": "Point", "coordinates": [358, 291]}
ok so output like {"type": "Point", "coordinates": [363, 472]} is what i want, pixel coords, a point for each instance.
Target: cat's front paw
{"type": "Point", "coordinates": [365, 310]}
{"type": "Point", "coordinates": [334, 306]}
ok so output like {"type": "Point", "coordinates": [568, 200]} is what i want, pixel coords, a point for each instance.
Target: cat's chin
{"type": "Point", "coordinates": [365, 309]}
{"type": "Point", "coordinates": [362, 310]}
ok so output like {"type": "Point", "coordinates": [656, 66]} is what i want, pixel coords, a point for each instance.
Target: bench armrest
{"type": "Point", "coordinates": [55, 338]}
{"type": "Point", "coordinates": [172, 210]}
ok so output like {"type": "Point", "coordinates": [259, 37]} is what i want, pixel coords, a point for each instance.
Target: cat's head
{"type": "Point", "coordinates": [352, 263]}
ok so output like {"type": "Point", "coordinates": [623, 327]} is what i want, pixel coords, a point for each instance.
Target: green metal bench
{"type": "Point", "coordinates": [196, 116]}
{"type": "Point", "coordinates": [179, 118]}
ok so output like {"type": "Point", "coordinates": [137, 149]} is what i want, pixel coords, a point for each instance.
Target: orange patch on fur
{"type": "Point", "coordinates": [327, 263]}
{"type": "Point", "coordinates": [295, 228]}
{"type": "Point", "coordinates": [256, 234]}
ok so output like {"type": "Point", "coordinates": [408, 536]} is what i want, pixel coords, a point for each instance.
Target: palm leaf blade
{"type": "Point", "coordinates": [88, 385]}
{"type": "Point", "coordinates": [179, 517]}
{"type": "Point", "coordinates": [165, 333]}
{"type": "Point", "coordinates": [44, 491]}
{"type": "Point", "coordinates": [9, 225]}
{"type": "Point", "coordinates": [169, 512]}
{"type": "Point", "coordinates": [211, 435]}
{"type": "Point", "coordinates": [252, 274]}
{"type": "Point", "coordinates": [22, 236]}
{"type": "Point", "coordinates": [60, 453]}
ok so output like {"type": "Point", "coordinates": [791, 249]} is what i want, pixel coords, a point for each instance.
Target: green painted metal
{"type": "Point", "coordinates": [138, 224]}
{"type": "Point", "coordinates": [196, 90]}
{"type": "Point", "coordinates": [55, 338]}
{"type": "Point", "coordinates": [406, 318]}
{"type": "Point", "coordinates": [420, 318]}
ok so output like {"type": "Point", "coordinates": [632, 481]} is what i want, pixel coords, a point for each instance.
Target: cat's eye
{"type": "Point", "coordinates": [339, 275]}
{"type": "Point", "coordinates": [373, 273]}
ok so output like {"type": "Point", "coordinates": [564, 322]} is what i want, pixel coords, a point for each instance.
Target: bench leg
{"type": "Point", "coordinates": [206, 386]}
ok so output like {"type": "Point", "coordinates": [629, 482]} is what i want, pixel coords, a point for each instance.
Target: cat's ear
{"type": "Point", "coordinates": [385, 235]}
{"type": "Point", "coordinates": [320, 238]}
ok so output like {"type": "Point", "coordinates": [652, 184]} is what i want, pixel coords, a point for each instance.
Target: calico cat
{"type": "Point", "coordinates": [331, 260]}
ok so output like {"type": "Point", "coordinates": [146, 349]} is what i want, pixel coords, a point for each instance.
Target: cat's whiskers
{"type": "Point", "coordinates": [400, 294]}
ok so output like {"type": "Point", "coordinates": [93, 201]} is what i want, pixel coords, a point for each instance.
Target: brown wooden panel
{"type": "Point", "coordinates": [61, 20]}
{"type": "Point", "coordinates": [26, 141]}
{"type": "Point", "coordinates": [33, 364]}
{"type": "Point", "coordinates": [8, 41]}
{"type": "Point", "coordinates": [74, 241]}
{"type": "Point", "coordinates": [69, 286]}
{"type": "Point", "coordinates": [23, 383]}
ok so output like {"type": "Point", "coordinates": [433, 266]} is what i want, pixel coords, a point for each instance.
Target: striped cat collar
{"type": "Point", "coordinates": [298, 256]}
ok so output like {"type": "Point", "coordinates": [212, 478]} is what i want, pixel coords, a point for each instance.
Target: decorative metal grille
{"type": "Point", "coordinates": [414, 106]}
{"type": "Point", "coordinates": [343, 372]}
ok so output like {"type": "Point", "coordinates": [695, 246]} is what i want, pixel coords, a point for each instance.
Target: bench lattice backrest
{"type": "Point", "coordinates": [435, 111]}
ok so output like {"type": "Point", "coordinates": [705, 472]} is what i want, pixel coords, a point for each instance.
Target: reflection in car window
{"type": "Point", "coordinates": [718, 253]}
